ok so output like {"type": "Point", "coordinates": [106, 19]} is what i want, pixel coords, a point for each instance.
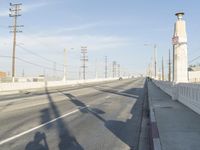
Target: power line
{"type": "Point", "coordinates": [40, 56]}
{"type": "Point", "coordinates": [194, 59]}
{"type": "Point", "coordinates": [35, 54]}
{"type": "Point", "coordinates": [34, 64]}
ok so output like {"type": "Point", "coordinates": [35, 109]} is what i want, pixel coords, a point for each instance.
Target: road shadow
{"type": "Point", "coordinates": [128, 131]}
{"type": "Point", "coordinates": [95, 111]}
{"type": "Point", "coordinates": [128, 93]}
{"type": "Point", "coordinates": [45, 117]}
{"type": "Point", "coordinates": [66, 138]}
{"type": "Point", "coordinates": [39, 142]}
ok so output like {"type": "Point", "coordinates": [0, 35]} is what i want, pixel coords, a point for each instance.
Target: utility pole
{"type": "Point", "coordinates": [114, 69]}
{"type": "Point", "coordinates": [163, 72]}
{"type": "Point", "coordinates": [65, 65]}
{"type": "Point", "coordinates": [14, 12]}
{"type": "Point", "coordinates": [106, 67]}
{"type": "Point", "coordinates": [54, 71]}
{"type": "Point", "coordinates": [96, 66]}
{"type": "Point", "coordinates": [169, 75]}
{"type": "Point", "coordinates": [155, 62]}
{"type": "Point", "coordinates": [84, 59]}
{"type": "Point", "coordinates": [44, 72]}
{"type": "Point", "coordinates": [118, 69]}
{"type": "Point", "coordinates": [23, 74]}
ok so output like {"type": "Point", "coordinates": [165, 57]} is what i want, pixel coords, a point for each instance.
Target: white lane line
{"type": "Point", "coordinates": [42, 125]}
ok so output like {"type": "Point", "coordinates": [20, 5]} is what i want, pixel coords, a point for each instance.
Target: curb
{"type": "Point", "coordinates": [154, 132]}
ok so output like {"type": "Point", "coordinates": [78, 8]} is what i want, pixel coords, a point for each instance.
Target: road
{"type": "Point", "coordinates": [106, 116]}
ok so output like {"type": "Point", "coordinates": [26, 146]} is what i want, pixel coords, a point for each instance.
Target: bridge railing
{"type": "Point", "coordinates": [186, 93]}
{"type": "Point", "coordinates": [189, 94]}
{"type": "Point", "coordinates": [165, 86]}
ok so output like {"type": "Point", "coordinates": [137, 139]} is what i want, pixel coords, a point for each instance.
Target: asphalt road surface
{"type": "Point", "coordinates": [106, 116]}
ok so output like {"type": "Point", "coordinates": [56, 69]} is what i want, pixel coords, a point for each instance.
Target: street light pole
{"type": "Point", "coordinates": [65, 65]}
{"type": "Point", "coordinates": [155, 62]}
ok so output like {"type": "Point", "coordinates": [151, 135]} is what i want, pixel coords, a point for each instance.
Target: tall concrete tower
{"type": "Point", "coordinates": [180, 60]}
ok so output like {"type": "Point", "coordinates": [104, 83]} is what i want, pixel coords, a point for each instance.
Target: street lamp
{"type": "Point", "coordinates": [65, 64]}
{"type": "Point", "coordinates": [154, 58]}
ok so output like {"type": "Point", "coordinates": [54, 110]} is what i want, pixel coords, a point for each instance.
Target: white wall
{"type": "Point", "coordinates": [194, 76]}
{"type": "Point", "coordinates": [10, 87]}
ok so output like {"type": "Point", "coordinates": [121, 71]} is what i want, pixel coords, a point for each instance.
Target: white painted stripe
{"type": "Point", "coordinates": [42, 125]}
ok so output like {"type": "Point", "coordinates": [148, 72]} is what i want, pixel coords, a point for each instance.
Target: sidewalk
{"type": "Point", "coordinates": [178, 126]}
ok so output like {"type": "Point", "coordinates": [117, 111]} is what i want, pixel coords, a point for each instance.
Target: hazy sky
{"type": "Point", "coordinates": [114, 28]}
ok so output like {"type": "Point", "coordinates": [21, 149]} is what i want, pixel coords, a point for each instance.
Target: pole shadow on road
{"type": "Point", "coordinates": [128, 131]}
{"type": "Point", "coordinates": [66, 138]}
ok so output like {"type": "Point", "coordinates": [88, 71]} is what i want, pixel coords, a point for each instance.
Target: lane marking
{"type": "Point", "coordinates": [107, 97]}
{"type": "Point", "coordinates": [42, 125]}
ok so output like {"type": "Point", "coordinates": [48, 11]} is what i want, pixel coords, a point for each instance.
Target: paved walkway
{"type": "Point", "coordinates": [178, 126]}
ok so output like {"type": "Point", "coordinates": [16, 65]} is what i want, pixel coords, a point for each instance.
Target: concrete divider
{"type": "Point", "coordinates": [186, 93]}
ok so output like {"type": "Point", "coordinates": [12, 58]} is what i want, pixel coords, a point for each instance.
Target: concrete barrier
{"type": "Point", "coordinates": [11, 87]}
{"type": "Point", "coordinates": [189, 94]}
{"type": "Point", "coordinates": [186, 93]}
{"type": "Point", "coordinates": [165, 86]}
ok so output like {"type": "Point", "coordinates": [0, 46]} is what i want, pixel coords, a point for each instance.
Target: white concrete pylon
{"type": "Point", "coordinates": [180, 58]}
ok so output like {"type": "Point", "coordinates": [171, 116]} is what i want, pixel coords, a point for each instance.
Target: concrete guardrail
{"type": "Point", "coordinates": [20, 86]}
{"type": "Point", "coordinates": [186, 93]}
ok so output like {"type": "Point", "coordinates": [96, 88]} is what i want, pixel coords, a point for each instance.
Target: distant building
{"type": "Point", "coordinates": [194, 68]}
{"type": "Point", "coordinates": [2, 74]}
{"type": "Point", "coordinates": [194, 73]}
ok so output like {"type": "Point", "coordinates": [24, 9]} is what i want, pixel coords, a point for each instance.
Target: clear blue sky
{"type": "Point", "coordinates": [114, 28]}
